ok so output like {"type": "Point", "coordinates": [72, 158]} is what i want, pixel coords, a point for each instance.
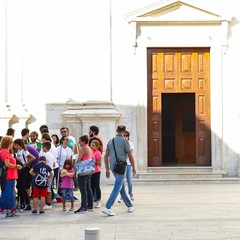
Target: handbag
{"type": "Point", "coordinates": [86, 167]}
{"type": "Point", "coordinates": [120, 166]}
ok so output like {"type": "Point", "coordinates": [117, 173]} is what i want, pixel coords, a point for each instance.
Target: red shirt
{"type": "Point", "coordinates": [12, 173]}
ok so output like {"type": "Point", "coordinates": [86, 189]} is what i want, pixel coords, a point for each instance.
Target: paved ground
{"type": "Point", "coordinates": [162, 212]}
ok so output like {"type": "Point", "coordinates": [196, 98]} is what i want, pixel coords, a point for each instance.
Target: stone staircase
{"type": "Point", "coordinates": [183, 175]}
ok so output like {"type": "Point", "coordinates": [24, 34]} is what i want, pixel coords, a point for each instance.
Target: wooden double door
{"type": "Point", "coordinates": [179, 107]}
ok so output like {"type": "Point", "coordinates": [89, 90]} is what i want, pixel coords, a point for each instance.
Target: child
{"type": "Point", "coordinates": [67, 174]}
{"type": "Point", "coordinates": [95, 179]}
{"type": "Point", "coordinates": [50, 161]}
{"type": "Point", "coordinates": [41, 172]}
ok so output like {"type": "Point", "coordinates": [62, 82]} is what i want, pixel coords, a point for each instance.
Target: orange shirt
{"type": "Point", "coordinates": [12, 173]}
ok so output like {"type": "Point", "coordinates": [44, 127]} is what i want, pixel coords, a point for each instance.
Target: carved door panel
{"type": "Point", "coordinates": [180, 71]}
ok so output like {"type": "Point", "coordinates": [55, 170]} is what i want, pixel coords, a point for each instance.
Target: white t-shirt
{"type": "Point", "coordinates": [53, 151]}
{"type": "Point", "coordinates": [63, 154]}
{"type": "Point", "coordinates": [49, 158]}
{"type": "Point", "coordinates": [131, 148]}
{"type": "Point", "coordinates": [22, 154]}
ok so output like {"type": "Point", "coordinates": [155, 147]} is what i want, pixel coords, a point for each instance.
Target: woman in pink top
{"type": "Point", "coordinates": [84, 182]}
{"type": "Point", "coordinates": [8, 196]}
{"type": "Point", "coordinates": [95, 180]}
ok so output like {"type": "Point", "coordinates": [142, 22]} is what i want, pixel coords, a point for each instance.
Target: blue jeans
{"type": "Point", "coordinates": [8, 196]}
{"type": "Point", "coordinates": [129, 178]}
{"type": "Point", "coordinates": [84, 183]}
{"type": "Point", "coordinates": [118, 187]}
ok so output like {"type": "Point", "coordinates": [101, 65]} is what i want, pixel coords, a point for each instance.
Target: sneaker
{"type": "Point", "coordinates": [131, 197]}
{"type": "Point", "coordinates": [27, 208]}
{"type": "Point", "coordinates": [46, 207]}
{"type": "Point", "coordinates": [98, 205]}
{"type": "Point", "coordinates": [71, 209]}
{"type": "Point", "coordinates": [120, 200]}
{"type": "Point", "coordinates": [81, 210]}
{"type": "Point", "coordinates": [130, 209]}
{"type": "Point", "coordinates": [54, 200]}
{"type": "Point", "coordinates": [90, 209]}
{"type": "Point", "coordinates": [64, 209]}
{"type": "Point", "coordinates": [34, 211]}
{"type": "Point", "coordinates": [75, 198]}
{"type": "Point", "coordinates": [109, 212]}
{"type": "Point", "coordinates": [11, 214]}
{"type": "Point", "coordinates": [41, 212]}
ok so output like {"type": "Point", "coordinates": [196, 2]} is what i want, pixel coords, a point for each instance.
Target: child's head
{"type": "Point", "coordinates": [42, 159]}
{"type": "Point", "coordinates": [95, 145]}
{"type": "Point", "coordinates": [46, 146]}
{"type": "Point", "coordinates": [68, 164]}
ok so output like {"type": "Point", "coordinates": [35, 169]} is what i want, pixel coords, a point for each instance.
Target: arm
{"type": "Point", "coordinates": [131, 159]}
{"type": "Point", "coordinates": [10, 165]}
{"type": "Point", "coordinates": [51, 174]}
{"type": "Point", "coordinates": [32, 172]}
{"type": "Point", "coordinates": [80, 155]}
{"type": "Point", "coordinates": [30, 158]}
{"type": "Point", "coordinates": [107, 164]}
{"type": "Point", "coordinates": [99, 161]}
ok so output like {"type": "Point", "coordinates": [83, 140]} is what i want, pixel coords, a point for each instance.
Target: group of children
{"type": "Point", "coordinates": [42, 173]}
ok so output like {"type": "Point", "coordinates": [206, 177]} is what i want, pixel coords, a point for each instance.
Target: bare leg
{"type": "Point", "coordinates": [35, 203]}
{"type": "Point", "coordinates": [42, 203]}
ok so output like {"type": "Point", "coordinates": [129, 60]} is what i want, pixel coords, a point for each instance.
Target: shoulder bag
{"type": "Point", "coordinates": [86, 167]}
{"type": "Point", "coordinates": [120, 166]}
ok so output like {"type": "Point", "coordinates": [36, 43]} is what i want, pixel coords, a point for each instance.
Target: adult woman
{"type": "Point", "coordinates": [8, 196]}
{"type": "Point", "coordinates": [24, 178]}
{"type": "Point", "coordinates": [84, 182]}
{"type": "Point", "coordinates": [55, 139]}
{"type": "Point", "coordinates": [64, 152]}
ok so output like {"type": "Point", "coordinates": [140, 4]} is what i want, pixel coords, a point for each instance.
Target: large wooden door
{"type": "Point", "coordinates": [185, 129]}
{"type": "Point", "coordinates": [182, 71]}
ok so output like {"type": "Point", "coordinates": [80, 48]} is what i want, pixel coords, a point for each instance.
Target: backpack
{"type": "Point", "coordinates": [41, 178]}
{"type": "Point", "coordinates": [3, 174]}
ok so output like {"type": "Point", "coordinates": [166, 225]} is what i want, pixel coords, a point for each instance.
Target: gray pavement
{"type": "Point", "coordinates": [162, 212]}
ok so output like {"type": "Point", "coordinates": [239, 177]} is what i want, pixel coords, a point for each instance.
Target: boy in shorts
{"type": "Point", "coordinates": [41, 172]}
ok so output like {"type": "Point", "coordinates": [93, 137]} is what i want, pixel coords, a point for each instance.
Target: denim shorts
{"type": "Point", "coordinates": [67, 194]}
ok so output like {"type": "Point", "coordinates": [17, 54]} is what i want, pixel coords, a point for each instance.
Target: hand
{"type": "Point", "coordinates": [19, 167]}
{"type": "Point", "coordinates": [134, 171]}
{"type": "Point", "coordinates": [107, 173]}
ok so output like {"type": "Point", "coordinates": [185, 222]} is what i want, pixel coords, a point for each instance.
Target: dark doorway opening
{"type": "Point", "coordinates": [178, 129]}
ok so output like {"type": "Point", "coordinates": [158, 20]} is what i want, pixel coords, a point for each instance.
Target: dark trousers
{"type": "Point", "coordinates": [84, 183]}
{"type": "Point", "coordinates": [22, 186]}
{"type": "Point", "coordinates": [95, 185]}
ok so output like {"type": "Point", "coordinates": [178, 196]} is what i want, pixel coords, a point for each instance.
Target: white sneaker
{"type": "Point", "coordinates": [130, 209]}
{"type": "Point", "coordinates": [46, 207]}
{"type": "Point", "coordinates": [120, 200]}
{"type": "Point", "coordinates": [98, 205]}
{"type": "Point", "coordinates": [54, 200]}
{"type": "Point", "coordinates": [109, 212]}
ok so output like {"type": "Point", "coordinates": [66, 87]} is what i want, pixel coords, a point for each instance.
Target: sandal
{"type": "Point", "coordinates": [11, 214]}
{"type": "Point", "coordinates": [64, 209]}
{"type": "Point", "coordinates": [71, 209]}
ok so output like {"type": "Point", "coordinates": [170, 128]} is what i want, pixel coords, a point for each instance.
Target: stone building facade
{"type": "Point", "coordinates": [74, 64]}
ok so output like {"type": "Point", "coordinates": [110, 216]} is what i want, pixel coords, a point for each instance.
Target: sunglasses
{"type": "Point", "coordinates": [126, 135]}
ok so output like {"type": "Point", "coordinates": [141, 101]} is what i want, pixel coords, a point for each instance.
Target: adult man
{"type": "Point", "coordinates": [64, 131]}
{"type": "Point", "coordinates": [122, 150]}
{"type": "Point", "coordinates": [93, 134]}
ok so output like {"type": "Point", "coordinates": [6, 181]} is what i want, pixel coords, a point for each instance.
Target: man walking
{"type": "Point", "coordinates": [122, 148]}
